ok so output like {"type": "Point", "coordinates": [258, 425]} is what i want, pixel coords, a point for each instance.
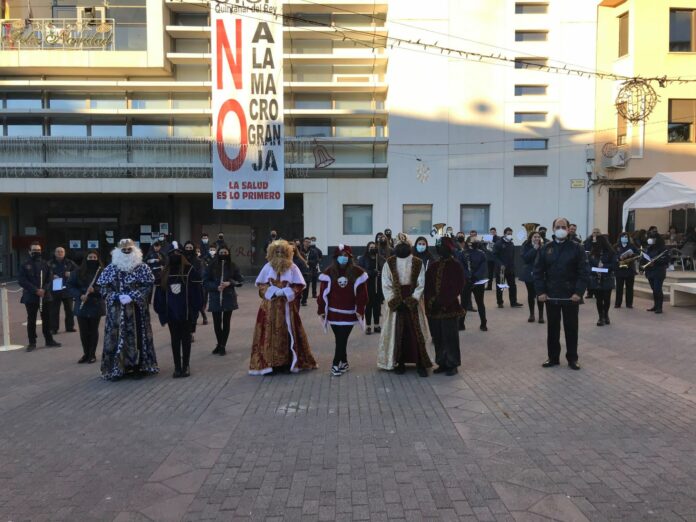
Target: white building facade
{"type": "Point", "coordinates": [106, 131]}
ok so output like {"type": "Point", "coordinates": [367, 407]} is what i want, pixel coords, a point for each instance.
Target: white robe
{"type": "Point", "coordinates": [386, 349]}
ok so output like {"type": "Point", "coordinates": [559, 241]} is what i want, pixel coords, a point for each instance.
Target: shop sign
{"type": "Point", "coordinates": [56, 34]}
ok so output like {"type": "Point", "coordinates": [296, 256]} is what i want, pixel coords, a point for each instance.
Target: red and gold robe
{"type": "Point", "coordinates": [279, 337]}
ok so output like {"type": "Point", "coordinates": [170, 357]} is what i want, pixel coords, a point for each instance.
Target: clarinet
{"type": "Point", "coordinates": [222, 280]}
{"type": "Point", "coordinates": [41, 286]}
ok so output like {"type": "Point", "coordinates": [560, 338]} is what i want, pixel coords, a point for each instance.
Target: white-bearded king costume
{"type": "Point", "coordinates": [279, 338]}
{"type": "Point", "coordinates": [126, 285]}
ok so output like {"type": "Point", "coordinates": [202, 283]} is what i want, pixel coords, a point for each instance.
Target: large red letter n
{"type": "Point", "coordinates": [224, 44]}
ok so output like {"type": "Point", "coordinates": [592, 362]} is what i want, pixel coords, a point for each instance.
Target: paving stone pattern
{"type": "Point", "coordinates": [505, 440]}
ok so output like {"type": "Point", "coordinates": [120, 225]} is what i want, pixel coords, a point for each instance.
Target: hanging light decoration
{"type": "Point", "coordinates": [422, 171]}
{"type": "Point", "coordinates": [636, 100]}
{"type": "Point", "coordinates": [322, 158]}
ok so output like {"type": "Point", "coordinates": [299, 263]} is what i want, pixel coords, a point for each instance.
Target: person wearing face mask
{"type": "Point", "coordinates": [341, 303]}
{"type": "Point", "coordinates": [421, 252]}
{"type": "Point", "coordinates": [372, 263]}
{"type": "Point", "coordinates": [280, 342]}
{"type": "Point", "coordinates": [221, 279]}
{"type": "Point", "coordinates": [313, 254]}
{"type": "Point", "coordinates": [444, 282]}
{"type": "Point", "coordinates": [89, 304]}
{"type": "Point", "coordinates": [474, 263]}
{"type": "Point", "coordinates": [36, 280]}
{"type": "Point", "coordinates": [177, 301]}
{"type": "Point", "coordinates": [126, 284]}
{"type": "Point", "coordinates": [625, 276]}
{"type": "Point", "coordinates": [530, 250]}
{"type": "Point", "coordinates": [390, 239]}
{"type": "Point", "coordinates": [273, 236]}
{"type": "Point", "coordinates": [204, 245]}
{"type": "Point", "coordinates": [602, 257]}
{"type": "Point", "coordinates": [405, 334]}
{"type": "Point", "coordinates": [654, 263]}
{"type": "Point", "coordinates": [383, 247]}
{"type": "Point", "coordinates": [465, 297]}
{"type": "Point", "coordinates": [490, 257]}
{"type": "Point", "coordinates": [561, 274]}
{"type": "Point", "coordinates": [197, 283]}
{"type": "Point", "coordinates": [542, 233]}
{"type": "Point", "coordinates": [62, 268]}
{"type": "Point", "coordinates": [220, 240]}
{"type": "Point", "coordinates": [504, 255]}
{"type": "Point", "coordinates": [156, 260]}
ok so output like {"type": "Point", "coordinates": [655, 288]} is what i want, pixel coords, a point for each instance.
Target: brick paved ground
{"type": "Point", "coordinates": [504, 440]}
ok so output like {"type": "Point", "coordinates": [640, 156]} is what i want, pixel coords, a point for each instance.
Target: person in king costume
{"type": "Point", "coordinates": [126, 285]}
{"type": "Point", "coordinates": [280, 342]}
{"type": "Point", "coordinates": [405, 334]}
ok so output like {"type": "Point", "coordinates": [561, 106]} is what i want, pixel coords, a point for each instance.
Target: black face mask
{"type": "Point", "coordinates": [543, 234]}
{"type": "Point", "coordinates": [92, 264]}
{"type": "Point", "coordinates": [175, 259]}
{"type": "Point", "coordinates": [372, 250]}
{"type": "Point", "coordinates": [402, 250]}
{"type": "Point", "coordinates": [35, 255]}
{"type": "Point", "coordinates": [461, 239]}
{"type": "Point", "coordinates": [383, 241]}
{"type": "Point", "coordinates": [224, 258]}
{"type": "Point", "coordinates": [189, 253]}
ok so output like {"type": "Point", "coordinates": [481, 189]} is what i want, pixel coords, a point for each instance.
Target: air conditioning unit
{"type": "Point", "coordinates": [617, 161]}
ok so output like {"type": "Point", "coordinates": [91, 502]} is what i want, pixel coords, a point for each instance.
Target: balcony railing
{"type": "Point", "coordinates": [57, 33]}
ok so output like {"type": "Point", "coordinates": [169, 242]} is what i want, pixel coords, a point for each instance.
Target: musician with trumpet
{"type": "Point", "coordinates": [504, 255]}
{"type": "Point", "coordinates": [628, 253]}
{"type": "Point", "coordinates": [89, 304]}
{"type": "Point", "coordinates": [221, 278]}
{"type": "Point", "coordinates": [654, 264]}
{"type": "Point", "coordinates": [36, 280]}
{"type": "Point", "coordinates": [603, 263]}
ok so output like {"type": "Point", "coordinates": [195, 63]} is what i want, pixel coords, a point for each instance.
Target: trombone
{"type": "Point", "coordinates": [650, 263]}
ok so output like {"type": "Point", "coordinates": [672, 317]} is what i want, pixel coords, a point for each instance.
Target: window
{"type": "Point", "coordinates": [357, 220]}
{"type": "Point", "coordinates": [531, 36]}
{"type": "Point", "coordinates": [313, 127]}
{"type": "Point", "coordinates": [681, 30]}
{"type": "Point", "coordinates": [191, 45]}
{"type": "Point", "coordinates": [526, 117]}
{"type": "Point", "coordinates": [150, 129]}
{"type": "Point", "coordinates": [623, 34]}
{"type": "Point", "coordinates": [682, 114]}
{"type": "Point", "coordinates": [32, 128]}
{"type": "Point", "coordinates": [155, 100]}
{"type": "Point", "coordinates": [474, 217]}
{"type": "Point", "coordinates": [530, 63]}
{"type": "Point", "coordinates": [531, 144]}
{"type": "Point", "coordinates": [191, 19]}
{"type": "Point", "coordinates": [68, 129]}
{"type": "Point", "coordinates": [530, 90]}
{"type": "Point", "coordinates": [107, 101]}
{"type": "Point", "coordinates": [23, 101]}
{"type": "Point", "coordinates": [621, 128]}
{"type": "Point", "coordinates": [191, 100]}
{"type": "Point", "coordinates": [313, 101]}
{"type": "Point", "coordinates": [191, 129]}
{"type": "Point", "coordinates": [418, 219]}
{"type": "Point", "coordinates": [354, 129]}
{"type": "Point", "coordinates": [524, 8]}
{"type": "Point", "coordinates": [67, 101]}
{"type": "Point", "coordinates": [108, 130]}
{"type": "Point", "coordinates": [530, 170]}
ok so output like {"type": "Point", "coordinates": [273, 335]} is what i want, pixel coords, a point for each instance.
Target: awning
{"type": "Point", "coordinates": [665, 190]}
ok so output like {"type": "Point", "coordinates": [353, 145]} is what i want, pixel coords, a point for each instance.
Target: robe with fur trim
{"type": "Point", "coordinates": [340, 301]}
{"type": "Point", "coordinates": [403, 282]}
{"type": "Point", "coordinates": [279, 337]}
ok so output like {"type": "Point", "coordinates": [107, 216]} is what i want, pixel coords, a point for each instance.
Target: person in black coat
{"type": "Point", "coordinates": [221, 278]}
{"type": "Point", "coordinates": [561, 273]}
{"type": "Point", "coordinates": [313, 255]}
{"type": "Point", "coordinates": [89, 304]}
{"type": "Point", "coordinates": [372, 262]}
{"type": "Point", "coordinates": [625, 277]}
{"type": "Point", "coordinates": [177, 301]}
{"type": "Point", "coordinates": [196, 282]}
{"type": "Point", "coordinates": [36, 279]}
{"type": "Point", "coordinates": [62, 268]}
{"type": "Point", "coordinates": [504, 255]}
{"type": "Point", "coordinates": [475, 264]}
{"type": "Point", "coordinates": [602, 257]}
{"type": "Point", "coordinates": [156, 260]}
{"type": "Point", "coordinates": [490, 258]}
{"type": "Point", "coordinates": [656, 268]}
{"type": "Point", "coordinates": [530, 249]}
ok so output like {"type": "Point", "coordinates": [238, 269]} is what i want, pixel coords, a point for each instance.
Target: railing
{"type": "Point", "coordinates": [58, 33]}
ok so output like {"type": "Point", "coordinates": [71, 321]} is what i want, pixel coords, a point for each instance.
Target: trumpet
{"type": "Point", "coordinates": [650, 263]}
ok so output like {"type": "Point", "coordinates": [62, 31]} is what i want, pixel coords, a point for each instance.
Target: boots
{"type": "Point", "coordinates": [531, 318]}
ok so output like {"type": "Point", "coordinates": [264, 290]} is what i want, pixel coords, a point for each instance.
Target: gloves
{"type": "Point", "coordinates": [125, 299]}
{"type": "Point", "coordinates": [279, 293]}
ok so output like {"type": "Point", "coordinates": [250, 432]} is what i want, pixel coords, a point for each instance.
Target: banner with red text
{"type": "Point", "coordinates": [247, 103]}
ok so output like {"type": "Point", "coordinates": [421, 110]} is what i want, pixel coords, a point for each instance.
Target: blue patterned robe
{"type": "Point", "coordinates": [128, 344]}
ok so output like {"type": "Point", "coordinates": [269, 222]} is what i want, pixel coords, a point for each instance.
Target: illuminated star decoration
{"type": "Point", "coordinates": [423, 171]}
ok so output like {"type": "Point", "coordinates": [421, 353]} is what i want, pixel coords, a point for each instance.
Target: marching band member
{"type": "Point", "coordinates": [504, 254]}
{"type": "Point", "coordinates": [655, 262]}
{"type": "Point", "coordinates": [625, 276]}
{"type": "Point", "coordinates": [221, 278]}
{"type": "Point", "coordinates": [602, 257]}
{"type": "Point", "coordinates": [530, 249]}
{"type": "Point", "coordinates": [475, 264]}
{"type": "Point", "coordinates": [371, 262]}
{"type": "Point", "coordinates": [89, 304]}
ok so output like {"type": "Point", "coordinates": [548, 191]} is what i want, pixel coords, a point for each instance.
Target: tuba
{"type": "Point", "coordinates": [530, 227]}
{"type": "Point", "coordinates": [438, 230]}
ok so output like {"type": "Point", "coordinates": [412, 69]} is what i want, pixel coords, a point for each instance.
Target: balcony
{"type": "Point", "coordinates": [66, 34]}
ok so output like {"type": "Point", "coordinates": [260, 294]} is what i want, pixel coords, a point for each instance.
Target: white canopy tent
{"type": "Point", "coordinates": [665, 190]}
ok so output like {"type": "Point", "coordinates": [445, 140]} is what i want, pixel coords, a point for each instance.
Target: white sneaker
{"type": "Point", "coordinates": [336, 371]}
{"type": "Point", "coordinates": [343, 367]}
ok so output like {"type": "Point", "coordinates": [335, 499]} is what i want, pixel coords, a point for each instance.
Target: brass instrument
{"type": "Point", "coordinates": [438, 230]}
{"type": "Point", "coordinates": [652, 261]}
{"type": "Point", "coordinates": [530, 227]}
{"type": "Point", "coordinates": [627, 262]}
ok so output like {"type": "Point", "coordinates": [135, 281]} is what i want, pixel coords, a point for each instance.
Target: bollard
{"type": "Point", "coordinates": [4, 304]}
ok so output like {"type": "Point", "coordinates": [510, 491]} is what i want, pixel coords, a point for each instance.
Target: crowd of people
{"type": "Point", "coordinates": [422, 297]}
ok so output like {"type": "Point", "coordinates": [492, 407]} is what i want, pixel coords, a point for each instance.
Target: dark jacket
{"type": "Point", "coordinates": [598, 280]}
{"type": "Point", "coordinates": [94, 305]}
{"type": "Point", "coordinates": [229, 295]}
{"type": "Point", "coordinates": [561, 270]}
{"type": "Point", "coordinates": [504, 254]}
{"type": "Point", "coordinates": [181, 306]}
{"type": "Point", "coordinates": [474, 263]}
{"type": "Point", "coordinates": [444, 281]}
{"type": "Point", "coordinates": [373, 268]}
{"type": "Point", "coordinates": [30, 280]}
{"type": "Point", "coordinates": [628, 272]}
{"type": "Point", "coordinates": [313, 256]}
{"type": "Point", "coordinates": [301, 265]}
{"type": "Point", "coordinates": [63, 269]}
{"type": "Point", "coordinates": [156, 261]}
{"type": "Point", "coordinates": [659, 268]}
{"type": "Point", "coordinates": [529, 255]}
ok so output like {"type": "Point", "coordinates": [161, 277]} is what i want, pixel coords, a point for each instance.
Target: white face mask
{"type": "Point", "coordinates": [508, 237]}
{"type": "Point", "coordinates": [561, 233]}
{"type": "Point", "coordinates": [651, 241]}
{"type": "Point", "coordinates": [212, 253]}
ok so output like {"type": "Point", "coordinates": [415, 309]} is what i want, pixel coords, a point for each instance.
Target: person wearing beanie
{"type": "Point", "coordinates": [177, 300]}
{"type": "Point", "coordinates": [444, 281]}
{"type": "Point", "coordinates": [341, 302]}
{"type": "Point", "coordinates": [405, 334]}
